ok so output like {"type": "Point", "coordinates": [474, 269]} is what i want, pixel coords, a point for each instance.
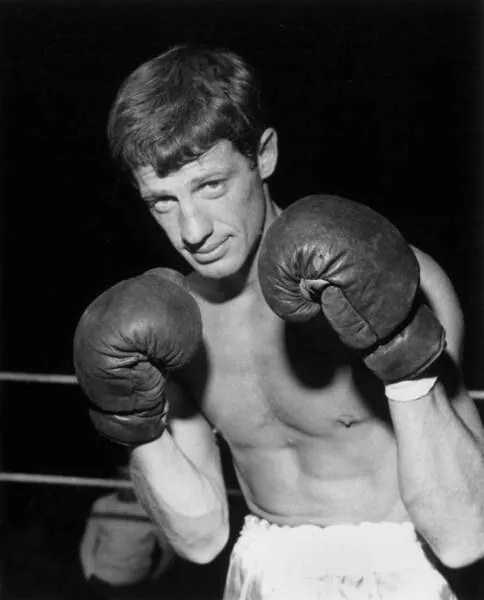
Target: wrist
{"type": "Point", "coordinates": [411, 389]}
{"type": "Point", "coordinates": [131, 428]}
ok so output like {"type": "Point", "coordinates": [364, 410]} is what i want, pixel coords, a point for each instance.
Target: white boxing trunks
{"type": "Point", "coordinates": [367, 561]}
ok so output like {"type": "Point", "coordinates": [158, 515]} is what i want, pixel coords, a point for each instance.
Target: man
{"type": "Point", "coordinates": [339, 462]}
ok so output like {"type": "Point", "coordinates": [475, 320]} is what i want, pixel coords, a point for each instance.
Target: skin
{"type": "Point", "coordinates": [312, 435]}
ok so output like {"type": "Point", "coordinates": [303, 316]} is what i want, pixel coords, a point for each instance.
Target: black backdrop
{"type": "Point", "coordinates": [378, 101]}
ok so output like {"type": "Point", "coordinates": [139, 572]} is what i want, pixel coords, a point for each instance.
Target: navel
{"type": "Point", "coordinates": [347, 420]}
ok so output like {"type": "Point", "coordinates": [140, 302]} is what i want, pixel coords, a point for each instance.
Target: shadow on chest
{"type": "Point", "coordinates": [295, 374]}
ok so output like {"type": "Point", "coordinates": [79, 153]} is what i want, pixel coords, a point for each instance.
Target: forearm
{"type": "Point", "coordinates": [441, 473]}
{"type": "Point", "coordinates": [188, 505]}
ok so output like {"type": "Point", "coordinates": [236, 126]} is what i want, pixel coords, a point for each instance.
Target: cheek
{"type": "Point", "coordinates": [248, 210]}
{"type": "Point", "coordinates": [169, 224]}
{"type": "Point", "coordinates": [255, 213]}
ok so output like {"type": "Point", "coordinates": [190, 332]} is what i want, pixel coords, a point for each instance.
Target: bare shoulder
{"type": "Point", "coordinates": [434, 276]}
{"type": "Point", "coordinates": [442, 297]}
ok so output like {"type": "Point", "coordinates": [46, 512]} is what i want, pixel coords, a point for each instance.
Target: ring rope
{"type": "Point", "coordinates": [75, 481]}
{"type": "Point", "coordinates": [72, 380]}
{"type": "Point", "coordinates": [87, 481]}
{"type": "Point", "coordinates": [64, 480]}
{"type": "Point", "coordinates": [37, 378]}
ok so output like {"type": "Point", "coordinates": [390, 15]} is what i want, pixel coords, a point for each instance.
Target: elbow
{"type": "Point", "coordinates": [207, 549]}
{"type": "Point", "coordinates": [465, 548]}
{"type": "Point", "coordinates": [204, 556]}
{"type": "Point", "coordinates": [459, 562]}
{"type": "Point", "coordinates": [459, 558]}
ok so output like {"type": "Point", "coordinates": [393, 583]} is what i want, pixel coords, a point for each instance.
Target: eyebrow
{"type": "Point", "coordinates": [214, 172]}
{"type": "Point", "coordinates": [156, 194]}
{"type": "Point", "coordinates": [194, 183]}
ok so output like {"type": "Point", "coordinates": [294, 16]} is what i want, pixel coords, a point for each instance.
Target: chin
{"type": "Point", "coordinates": [215, 271]}
{"type": "Point", "coordinates": [219, 269]}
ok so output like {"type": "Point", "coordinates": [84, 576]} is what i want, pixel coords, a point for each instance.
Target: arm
{"type": "Point", "coordinates": [128, 341]}
{"type": "Point", "coordinates": [330, 254]}
{"type": "Point", "coordinates": [440, 443]}
{"type": "Point", "coordinates": [178, 478]}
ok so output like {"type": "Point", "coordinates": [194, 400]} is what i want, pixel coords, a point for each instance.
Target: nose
{"type": "Point", "coordinates": [195, 226]}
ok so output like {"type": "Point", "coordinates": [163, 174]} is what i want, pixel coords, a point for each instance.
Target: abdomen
{"type": "Point", "coordinates": [347, 476]}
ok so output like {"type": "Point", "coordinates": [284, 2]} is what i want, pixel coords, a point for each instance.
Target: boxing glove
{"type": "Point", "coordinates": [332, 254]}
{"type": "Point", "coordinates": [126, 343]}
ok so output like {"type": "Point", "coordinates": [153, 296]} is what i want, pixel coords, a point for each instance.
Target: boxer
{"type": "Point", "coordinates": [321, 346]}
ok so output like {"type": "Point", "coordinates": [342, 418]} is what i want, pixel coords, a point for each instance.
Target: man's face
{"type": "Point", "coordinates": [212, 209]}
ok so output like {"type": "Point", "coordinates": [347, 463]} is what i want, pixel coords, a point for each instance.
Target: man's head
{"type": "Point", "coordinates": [175, 107]}
{"type": "Point", "coordinates": [189, 127]}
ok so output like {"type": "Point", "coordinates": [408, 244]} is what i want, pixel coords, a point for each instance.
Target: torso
{"type": "Point", "coordinates": [307, 425]}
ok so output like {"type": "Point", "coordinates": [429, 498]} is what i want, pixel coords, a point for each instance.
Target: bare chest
{"type": "Point", "coordinates": [260, 381]}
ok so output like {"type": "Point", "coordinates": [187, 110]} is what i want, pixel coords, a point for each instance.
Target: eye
{"type": "Point", "coordinates": [213, 183]}
{"type": "Point", "coordinates": [162, 204]}
{"type": "Point", "coordinates": [214, 187]}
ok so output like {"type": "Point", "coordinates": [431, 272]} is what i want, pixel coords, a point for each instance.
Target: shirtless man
{"type": "Point", "coordinates": [339, 467]}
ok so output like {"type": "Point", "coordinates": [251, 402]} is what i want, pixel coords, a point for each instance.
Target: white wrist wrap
{"type": "Point", "coordinates": [412, 389]}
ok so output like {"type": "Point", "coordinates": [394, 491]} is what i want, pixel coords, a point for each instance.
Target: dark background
{"type": "Point", "coordinates": [377, 101]}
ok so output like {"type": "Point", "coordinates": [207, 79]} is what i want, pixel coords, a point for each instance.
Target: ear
{"type": "Point", "coordinates": [267, 154]}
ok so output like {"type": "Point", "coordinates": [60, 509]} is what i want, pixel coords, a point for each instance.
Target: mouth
{"type": "Point", "coordinates": [210, 253]}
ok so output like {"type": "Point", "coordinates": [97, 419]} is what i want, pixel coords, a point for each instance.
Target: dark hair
{"type": "Point", "coordinates": [175, 107]}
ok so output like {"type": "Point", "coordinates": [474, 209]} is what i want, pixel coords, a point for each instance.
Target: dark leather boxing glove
{"type": "Point", "coordinates": [330, 253]}
{"type": "Point", "coordinates": [126, 343]}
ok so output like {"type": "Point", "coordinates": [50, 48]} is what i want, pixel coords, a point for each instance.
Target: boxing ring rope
{"type": "Point", "coordinates": [65, 480]}
{"type": "Point", "coordinates": [37, 378]}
